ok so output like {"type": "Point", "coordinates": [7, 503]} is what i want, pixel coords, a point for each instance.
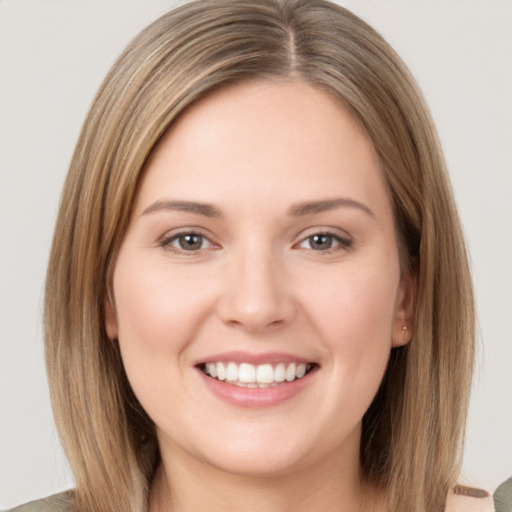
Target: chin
{"type": "Point", "coordinates": [265, 453]}
{"type": "Point", "coordinates": [260, 464]}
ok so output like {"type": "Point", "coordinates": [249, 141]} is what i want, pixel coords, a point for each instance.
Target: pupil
{"type": "Point", "coordinates": [321, 241]}
{"type": "Point", "coordinates": [190, 242]}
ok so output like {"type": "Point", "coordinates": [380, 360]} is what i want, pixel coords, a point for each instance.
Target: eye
{"type": "Point", "coordinates": [186, 242]}
{"type": "Point", "coordinates": [325, 242]}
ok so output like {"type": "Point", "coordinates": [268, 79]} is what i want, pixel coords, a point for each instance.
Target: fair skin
{"type": "Point", "coordinates": [262, 236]}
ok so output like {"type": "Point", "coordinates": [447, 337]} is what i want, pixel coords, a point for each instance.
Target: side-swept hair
{"type": "Point", "coordinates": [413, 431]}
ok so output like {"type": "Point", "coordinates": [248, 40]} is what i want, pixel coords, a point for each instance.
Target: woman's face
{"type": "Point", "coordinates": [258, 290]}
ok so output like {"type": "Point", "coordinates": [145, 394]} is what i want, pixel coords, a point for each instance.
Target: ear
{"type": "Point", "coordinates": [110, 320]}
{"type": "Point", "coordinates": [403, 328]}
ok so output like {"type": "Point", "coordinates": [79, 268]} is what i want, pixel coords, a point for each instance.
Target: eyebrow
{"type": "Point", "coordinates": [312, 207]}
{"type": "Point", "coordinates": [205, 209]}
{"type": "Point", "coordinates": [296, 210]}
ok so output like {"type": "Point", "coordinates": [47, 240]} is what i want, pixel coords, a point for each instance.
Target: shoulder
{"type": "Point", "coordinates": [469, 499]}
{"type": "Point", "coordinates": [57, 503]}
{"type": "Point", "coordinates": [503, 497]}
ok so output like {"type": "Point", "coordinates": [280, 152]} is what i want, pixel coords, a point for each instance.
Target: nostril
{"type": "Point", "coordinates": [256, 297]}
{"type": "Point", "coordinates": [256, 319]}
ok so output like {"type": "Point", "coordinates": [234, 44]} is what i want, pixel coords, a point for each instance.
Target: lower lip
{"type": "Point", "coordinates": [256, 397]}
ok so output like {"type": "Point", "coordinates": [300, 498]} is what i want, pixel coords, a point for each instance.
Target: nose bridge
{"type": "Point", "coordinates": [256, 295]}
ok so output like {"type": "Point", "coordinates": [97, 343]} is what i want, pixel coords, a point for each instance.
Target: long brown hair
{"type": "Point", "coordinates": [413, 431]}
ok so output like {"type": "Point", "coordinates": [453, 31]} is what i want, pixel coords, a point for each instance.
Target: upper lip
{"type": "Point", "coordinates": [237, 356]}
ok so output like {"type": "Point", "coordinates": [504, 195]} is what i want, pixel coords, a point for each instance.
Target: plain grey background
{"type": "Point", "coordinates": [53, 55]}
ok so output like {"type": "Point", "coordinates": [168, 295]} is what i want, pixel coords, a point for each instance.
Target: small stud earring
{"type": "Point", "coordinates": [404, 329]}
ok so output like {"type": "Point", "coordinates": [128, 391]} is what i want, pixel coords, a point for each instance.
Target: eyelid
{"type": "Point", "coordinates": [344, 239]}
{"type": "Point", "coordinates": [165, 240]}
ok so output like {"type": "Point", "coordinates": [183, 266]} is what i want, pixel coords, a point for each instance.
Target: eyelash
{"type": "Point", "coordinates": [167, 242]}
{"type": "Point", "coordinates": [342, 243]}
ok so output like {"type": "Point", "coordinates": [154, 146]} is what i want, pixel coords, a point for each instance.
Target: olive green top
{"type": "Point", "coordinates": [56, 503]}
{"type": "Point", "coordinates": [503, 497]}
{"type": "Point", "coordinates": [471, 501]}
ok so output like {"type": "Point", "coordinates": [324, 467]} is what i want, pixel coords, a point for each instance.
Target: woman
{"type": "Point", "coordinates": [257, 228]}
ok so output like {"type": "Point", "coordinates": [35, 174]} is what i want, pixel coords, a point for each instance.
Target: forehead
{"type": "Point", "coordinates": [262, 139]}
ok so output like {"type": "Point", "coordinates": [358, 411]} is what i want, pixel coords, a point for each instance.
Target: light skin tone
{"type": "Point", "coordinates": [262, 226]}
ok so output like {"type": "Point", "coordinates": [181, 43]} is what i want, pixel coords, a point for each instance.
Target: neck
{"type": "Point", "coordinates": [184, 484]}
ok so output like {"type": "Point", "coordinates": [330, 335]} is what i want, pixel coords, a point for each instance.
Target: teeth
{"type": "Point", "coordinates": [280, 372]}
{"type": "Point", "coordinates": [211, 369]}
{"type": "Point", "coordinates": [290, 372]}
{"type": "Point", "coordinates": [247, 373]}
{"type": "Point", "coordinates": [251, 376]}
{"type": "Point", "coordinates": [221, 371]}
{"type": "Point", "coordinates": [264, 374]}
{"type": "Point", "coordinates": [232, 372]}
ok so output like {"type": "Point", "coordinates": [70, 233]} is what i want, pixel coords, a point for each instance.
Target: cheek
{"type": "Point", "coordinates": [158, 314]}
{"type": "Point", "coordinates": [355, 308]}
{"type": "Point", "coordinates": [155, 308]}
{"type": "Point", "coordinates": [354, 315]}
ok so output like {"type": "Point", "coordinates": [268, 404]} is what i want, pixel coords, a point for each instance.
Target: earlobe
{"type": "Point", "coordinates": [110, 320]}
{"type": "Point", "coordinates": [405, 307]}
{"type": "Point", "coordinates": [402, 337]}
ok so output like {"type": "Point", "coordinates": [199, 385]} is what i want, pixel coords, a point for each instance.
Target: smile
{"type": "Point", "coordinates": [247, 375]}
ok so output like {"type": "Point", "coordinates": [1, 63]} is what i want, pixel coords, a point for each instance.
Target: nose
{"type": "Point", "coordinates": [257, 294]}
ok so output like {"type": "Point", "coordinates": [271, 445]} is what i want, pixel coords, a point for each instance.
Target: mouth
{"type": "Point", "coordinates": [247, 375]}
